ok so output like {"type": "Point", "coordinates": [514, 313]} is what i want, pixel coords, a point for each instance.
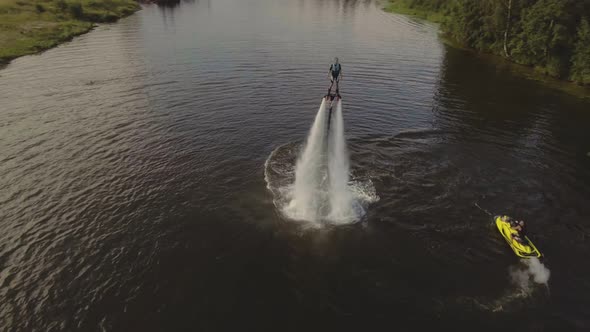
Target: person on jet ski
{"type": "Point", "coordinates": [516, 237]}
{"type": "Point", "coordinates": [518, 226]}
{"type": "Point", "coordinates": [335, 75]}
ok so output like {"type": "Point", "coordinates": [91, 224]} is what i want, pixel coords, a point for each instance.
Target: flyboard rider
{"type": "Point", "coordinates": [335, 75]}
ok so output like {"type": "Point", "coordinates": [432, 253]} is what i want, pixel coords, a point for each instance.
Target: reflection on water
{"type": "Point", "coordinates": [132, 193]}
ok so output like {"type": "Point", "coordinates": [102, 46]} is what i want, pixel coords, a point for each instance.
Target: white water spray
{"type": "Point", "coordinates": [308, 199]}
{"type": "Point", "coordinates": [535, 270]}
{"type": "Point", "coordinates": [341, 202]}
{"type": "Point", "coordinates": [322, 191]}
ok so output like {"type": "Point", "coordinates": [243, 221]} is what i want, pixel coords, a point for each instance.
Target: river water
{"type": "Point", "coordinates": [133, 194]}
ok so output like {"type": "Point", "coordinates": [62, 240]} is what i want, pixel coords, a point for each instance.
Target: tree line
{"type": "Point", "coordinates": [551, 35]}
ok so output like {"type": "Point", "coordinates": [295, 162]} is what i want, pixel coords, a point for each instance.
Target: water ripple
{"type": "Point", "coordinates": [131, 162]}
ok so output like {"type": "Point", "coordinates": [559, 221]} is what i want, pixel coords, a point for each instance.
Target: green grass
{"type": "Point", "coordinates": [401, 7]}
{"type": "Point", "coordinates": [31, 26]}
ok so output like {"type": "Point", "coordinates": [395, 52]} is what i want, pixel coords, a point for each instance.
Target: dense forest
{"type": "Point", "coordinates": [551, 35]}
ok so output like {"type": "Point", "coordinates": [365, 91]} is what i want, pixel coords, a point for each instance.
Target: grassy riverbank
{"type": "Point", "coordinates": [31, 26]}
{"type": "Point", "coordinates": [406, 8]}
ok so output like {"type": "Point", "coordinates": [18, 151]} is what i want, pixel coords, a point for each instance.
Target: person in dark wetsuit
{"type": "Point", "coordinates": [519, 227]}
{"type": "Point", "coordinates": [335, 74]}
{"type": "Point", "coordinates": [518, 238]}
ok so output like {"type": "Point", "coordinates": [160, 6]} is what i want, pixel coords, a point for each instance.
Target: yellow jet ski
{"type": "Point", "coordinates": [524, 250]}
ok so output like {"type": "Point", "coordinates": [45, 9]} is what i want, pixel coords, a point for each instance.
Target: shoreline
{"type": "Point", "coordinates": [524, 71]}
{"type": "Point", "coordinates": [5, 61]}
{"type": "Point", "coordinates": [392, 6]}
{"type": "Point", "coordinates": [30, 27]}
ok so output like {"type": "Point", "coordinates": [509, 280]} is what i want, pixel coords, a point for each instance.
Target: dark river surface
{"type": "Point", "coordinates": [133, 193]}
